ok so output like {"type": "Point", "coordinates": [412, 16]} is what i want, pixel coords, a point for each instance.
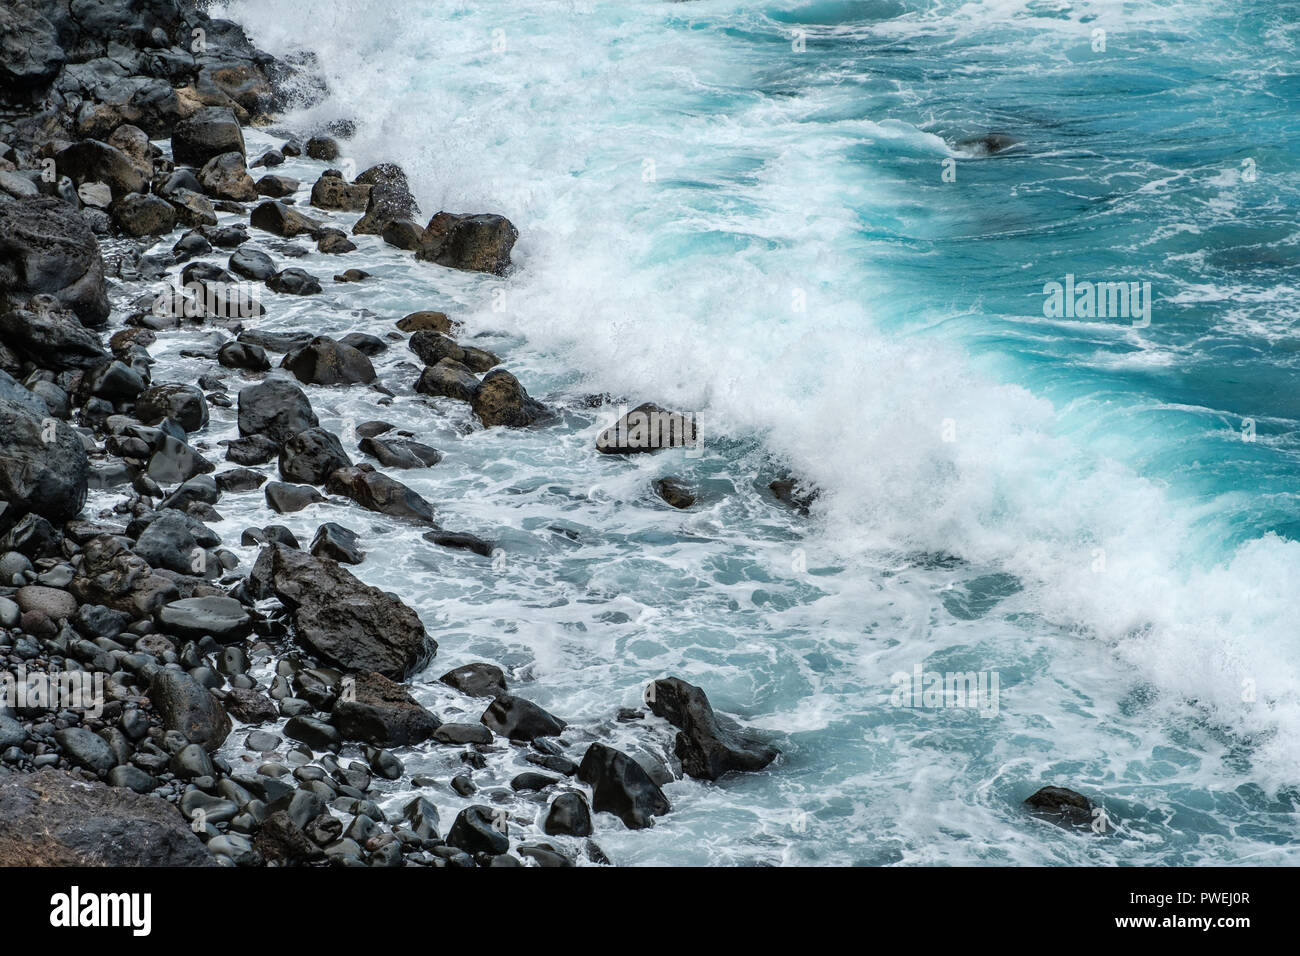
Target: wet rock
{"type": "Point", "coordinates": [250, 707]}
{"type": "Point", "coordinates": [708, 745]}
{"type": "Point", "coordinates": [448, 378]}
{"type": "Point", "coordinates": [352, 275]}
{"type": "Point", "coordinates": [332, 191]}
{"type": "Point", "coordinates": [46, 478]}
{"type": "Point", "coordinates": [568, 815]}
{"type": "Point", "coordinates": [30, 54]}
{"type": "Point", "coordinates": [345, 622]}
{"type": "Point", "coordinates": [530, 781]}
{"type": "Point", "coordinates": [187, 706]}
{"type": "Point", "coordinates": [316, 734]}
{"type": "Point", "coordinates": [52, 338]}
{"type": "Point", "coordinates": [139, 215]}
{"type": "Point", "coordinates": [477, 680]}
{"type": "Point", "coordinates": [402, 233]}
{"type": "Point", "coordinates": [195, 210]}
{"type": "Point", "coordinates": [311, 456]}
{"type": "Point", "coordinates": [501, 400]}
{"type": "Point", "coordinates": [276, 187]}
{"type": "Point", "coordinates": [324, 361]}
{"type": "Point", "coordinates": [433, 347]}
{"type": "Point", "coordinates": [478, 243]}
{"type": "Point", "coordinates": [223, 619]}
{"type": "Point", "coordinates": [986, 144]}
{"type": "Point", "coordinates": [294, 282]}
{"type": "Point", "coordinates": [210, 132]}
{"type": "Point", "coordinates": [375, 491]}
{"type": "Point", "coordinates": [382, 713]}
{"type": "Point", "coordinates": [325, 148]}
{"type": "Point", "coordinates": [176, 541]}
{"type": "Point", "coordinates": [276, 409]}
{"type": "Point", "coordinates": [56, 604]}
{"type": "Point", "coordinates": [241, 355]}
{"type": "Point", "coordinates": [388, 203]}
{"type": "Point", "coordinates": [479, 829]}
{"type": "Point", "coordinates": [53, 819]}
{"type": "Point", "coordinates": [91, 161]}
{"type": "Point", "coordinates": [793, 492]}
{"type": "Point", "coordinates": [621, 786]}
{"type": "Point", "coordinates": [1062, 806]}
{"type": "Point", "coordinates": [46, 248]}
{"type": "Point", "coordinates": [334, 242]}
{"type": "Point", "coordinates": [86, 750]}
{"type": "Point", "coordinates": [365, 343]}
{"type": "Point", "coordinates": [286, 499]}
{"type": "Point", "coordinates": [184, 404]}
{"type": "Point", "coordinates": [277, 218]}
{"type": "Point", "coordinates": [337, 543]}
{"type": "Point", "coordinates": [648, 428]}
{"type": "Point", "coordinates": [252, 450]}
{"type": "Point", "coordinates": [520, 719]}
{"type": "Point", "coordinates": [675, 491]}
{"type": "Point", "coordinates": [425, 321]}
{"type": "Point", "coordinates": [252, 264]}
{"type": "Point", "coordinates": [282, 842]}
{"type": "Point", "coordinates": [461, 541]}
{"type": "Point", "coordinates": [226, 177]}
{"type": "Point", "coordinates": [400, 452]}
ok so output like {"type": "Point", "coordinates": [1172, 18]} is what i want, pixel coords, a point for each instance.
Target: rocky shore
{"type": "Point", "coordinates": [137, 643]}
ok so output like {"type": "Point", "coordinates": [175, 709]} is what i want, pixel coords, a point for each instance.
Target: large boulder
{"type": "Point", "coordinates": [500, 399]}
{"type": "Point", "coordinates": [708, 745]}
{"type": "Point", "coordinates": [184, 404]}
{"type": "Point", "coordinates": [648, 428]}
{"type": "Point", "coordinates": [378, 711]}
{"type": "Point", "coordinates": [332, 191]}
{"type": "Point", "coordinates": [324, 361]}
{"type": "Point", "coordinates": [46, 247]}
{"type": "Point", "coordinates": [279, 219]}
{"type": "Point", "coordinates": [91, 161]}
{"type": "Point", "coordinates": [621, 786]}
{"type": "Point", "coordinates": [137, 214]}
{"type": "Point", "coordinates": [450, 379]}
{"type": "Point", "coordinates": [187, 706]}
{"type": "Point", "coordinates": [223, 619]}
{"type": "Point", "coordinates": [225, 177]}
{"type": "Point", "coordinates": [52, 338]}
{"type": "Point", "coordinates": [54, 819]}
{"type": "Point", "coordinates": [343, 621]}
{"type": "Point", "coordinates": [387, 203]}
{"type": "Point", "coordinates": [520, 719]}
{"type": "Point", "coordinates": [312, 456]}
{"type": "Point", "coordinates": [30, 54]}
{"type": "Point", "coordinates": [477, 243]}
{"type": "Point", "coordinates": [375, 491]}
{"type": "Point", "coordinates": [43, 466]}
{"type": "Point", "coordinates": [276, 409]}
{"type": "Point", "coordinates": [210, 132]}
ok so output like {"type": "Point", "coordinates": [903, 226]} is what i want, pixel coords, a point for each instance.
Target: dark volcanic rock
{"type": "Point", "coordinates": [460, 540]}
{"type": "Point", "coordinates": [209, 132]}
{"type": "Point", "coordinates": [648, 428]}
{"type": "Point", "coordinates": [245, 356]}
{"type": "Point", "coordinates": [40, 476]}
{"type": "Point", "coordinates": [276, 217]}
{"type": "Point", "coordinates": [286, 499]}
{"type": "Point", "coordinates": [520, 719]}
{"type": "Point", "coordinates": [294, 282]}
{"type": "Point", "coordinates": [52, 338]}
{"type": "Point", "coordinates": [250, 706]}
{"type": "Point", "coordinates": [621, 786]}
{"type": "Point", "coordinates": [337, 543]}
{"type": "Point", "coordinates": [1062, 806]}
{"type": "Point", "coordinates": [226, 177]}
{"type": "Point", "coordinates": [282, 842]}
{"type": "Point", "coordinates": [382, 713]}
{"type": "Point", "coordinates": [479, 829]}
{"type": "Point", "coordinates": [708, 746]}
{"type": "Point", "coordinates": [448, 378]}
{"type": "Point", "coordinates": [276, 408]}
{"type": "Point", "coordinates": [53, 819]}
{"type": "Point", "coordinates": [46, 247]}
{"type": "Point", "coordinates": [332, 191]}
{"type": "Point", "coordinates": [139, 215]}
{"type": "Point", "coordinates": [30, 54]}
{"type": "Point", "coordinates": [252, 450]}
{"type": "Point", "coordinates": [375, 491]}
{"type": "Point", "coordinates": [184, 404]}
{"type": "Point", "coordinates": [251, 264]}
{"type": "Point", "coordinates": [479, 243]}
{"type": "Point", "coordinates": [323, 361]}
{"type": "Point", "coordinates": [675, 491]}
{"type": "Point", "coordinates": [501, 400]}
{"type": "Point", "coordinates": [400, 452]}
{"type": "Point", "coordinates": [187, 706]}
{"type": "Point", "coordinates": [224, 619]}
{"type": "Point", "coordinates": [568, 815]}
{"type": "Point", "coordinates": [96, 162]}
{"type": "Point", "coordinates": [477, 680]}
{"type": "Point", "coordinates": [347, 623]}
{"type": "Point", "coordinates": [311, 456]}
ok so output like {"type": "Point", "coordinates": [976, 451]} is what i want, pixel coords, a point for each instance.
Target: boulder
{"type": "Point", "coordinates": [226, 177]}
{"type": "Point", "coordinates": [520, 719]}
{"type": "Point", "coordinates": [30, 54]}
{"type": "Point", "coordinates": [323, 361]}
{"type": "Point", "coordinates": [420, 321]}
{"type": "Point", "coordinates": [332, 191]}
{"type": "Point", "coordinates": [286, 499]}
{"type": "Point", "coordinates": [375, 491]}
{"type": "Point", "coordinates": [382, 713]}
{"type": "Point", "coordinates": [501, 400]}
{"type": "Point", "coordinates": [139, 215]}
{"type": "Point", "coordinates": [1062, 806]}
{"type": "Point", "coordinates": [187, 706]}
{"type": "Point", "coordinates": [343, 621]}
{"type": "Point", "coordinates": [52, 819]}
{"type": "Point", "coordinates": [223, 619]}
{"type": "Point", "coordinates": [210, 132]}
{"type": "Point", "coordinates": [183, 404]}
{"type": "Point", "coordinates": [619, 785]}
{"type": "Point", "coordinates": [252, 264]}
{"type": "Point", "coordinates": [279, 219]}
{"type": "Point", "coordinates": [400, 452]}
{"type": "Point", "coordinates": [648, 428]}
{"type": "Point", "coordinates": [479, 829]}
{"type": "Point", "coordinates": [707, 745]}
{"type": "Point", "coordinates": [449, 379]}
{"type": "Point", "coordinates": [386, 204]}
{"type": "Point", "coordinates": [51, 338]}
{"type": "Point", "coordinates": [432, 347]}
{"type": "Point", "coordinates": [276, 409]}
{"type": "Point", "coordinates": [91, 161]}
{"type": "Point", "coordinates": [46, 247]}
{"type": "Point", "coordinates": [337, 543]}
{"type": "Point", "coordinates": [311, 456]}
{"type": "Point", "coordinates": [476, 680]}
{"type": "Point", "coordinates": [43, 466]}
{"type": "Point", "coordinates": [476, 243]}
{"type": "Point", "coordinates": [568, 815]}
{"type": "Point", "coordinates": [294, 282]}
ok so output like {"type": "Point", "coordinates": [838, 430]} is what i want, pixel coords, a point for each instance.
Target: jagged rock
{"type": "Point", "coordinates": [337, 543]}
{"type": "Point", "coordinates": [311, 456]}
{"type": "Point", "coordinates": [1062, 806]}
{"type": "Point", "coordinates": [45, 247]}
{"type": "Point", "coordinates": [501, 400]}
{"type": "Point", "coordinates": [184, 404]}
{"type": "Point", "coordinates": [139, 215]}
{"type": "Point", "coordinates": [343, 621]}
{"type": "Point", "coordinates": [43, 466]}
{"type": "Point", "coordinates": [477, 243]}
{"type": "Point", "coordinates": [210, 132]}
{"type": "Point", "coordinates": [647, 428]}
{"type": "Point", "coordinates": [675, 491]}
{"type": "Point", "coordinates": [448, 378]}
{"type": "Point", "coordinates": [622, 787]}
{"type": "Point", "coordinates": [225, 177]}
{"type": "Point", "coordinates": [708, 745]}
{"type": "Point", "coordinates": [382, 713]}
{"type": "Point", "coordinates": [294, 282]}
{"type": "Point", "coordinates": [30, 54]}
{"type": "Point", "coordinates": [277, 218]}
{"type": "Point", "coordinates": [433, 347]}
{"type": "Point", "coordinates": [479, 829]}
{"type": "Point", "coordinates": [332, 191]}
{"type": "Point", "coordinates": [53, 819]}
{"type": "Point", "coordinates": [400, 452]}
{"type": "Point", "coordinates": [91, 161]}
{"type": "Point", "coordinates": [52, 338]}
{"type": "Point", "coordinates": [375, 491]}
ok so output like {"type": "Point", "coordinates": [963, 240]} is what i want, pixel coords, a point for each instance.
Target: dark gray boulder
{"type": "Point", "coordinates": [311, 456]}
{"type": "Point", "coordinates": [187, 706]}
{"type": "Point", "coordinates": [43, 466]}
{"type": "Point", "coordinates": [277, 409]}
{"type": "Point", "coordinates": [708, 745]}
{"type": "Point", "coordinates": [381, 712]}
{"type": "Point", "coordinates": [47, 248]}
{"type": "Point", "coordinates": [621, 786]}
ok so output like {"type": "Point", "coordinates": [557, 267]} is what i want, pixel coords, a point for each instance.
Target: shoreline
{"type": "Point", "coordinates": [147, 595]}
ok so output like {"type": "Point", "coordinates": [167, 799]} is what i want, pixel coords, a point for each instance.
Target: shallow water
{"type": "Point", "coordinates": [714, 220]}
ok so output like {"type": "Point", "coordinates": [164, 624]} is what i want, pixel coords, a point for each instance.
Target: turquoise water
{"type": "Point", "coordinates": [741, 210]}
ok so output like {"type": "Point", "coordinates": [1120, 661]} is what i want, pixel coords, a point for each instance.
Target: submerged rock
{"type": "Point", "coordinates": [621, 786]}
{"type": "Point", "coordinates": [375, 491]}
{"type": "Point", "coordinates": [1062, 806]}
{"type": "Point", "coordinates": [708, 745]}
